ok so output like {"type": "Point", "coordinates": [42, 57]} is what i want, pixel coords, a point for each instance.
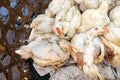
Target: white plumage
{"type": "Point", "coordinates": [89, 36]}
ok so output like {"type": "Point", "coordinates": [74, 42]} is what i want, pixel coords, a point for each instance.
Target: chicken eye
{"type": "Point", "coordinates": [65, 35]}
{"type": "Point", "coordinates": [96, 28]}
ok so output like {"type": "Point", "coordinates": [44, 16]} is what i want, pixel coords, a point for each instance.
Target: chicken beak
{"type": "Point", "coordinates": [18, 51]}
{"type": "Point", "coordinates": [70, 48]}
{"type": "Point", "coordinates": [33, 25]}
{"type": "Point", "coordinates": [103, 31]}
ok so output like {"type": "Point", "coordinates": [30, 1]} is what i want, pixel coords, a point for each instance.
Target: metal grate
{"type": "Point", "coordinates": [14, 30]}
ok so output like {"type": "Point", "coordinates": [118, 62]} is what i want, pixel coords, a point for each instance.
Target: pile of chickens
{"type": "Point", "coordinates": [86, 30]}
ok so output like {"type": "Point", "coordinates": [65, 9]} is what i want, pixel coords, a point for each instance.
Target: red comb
{"type": "Point", "coordinates": [58, 31]}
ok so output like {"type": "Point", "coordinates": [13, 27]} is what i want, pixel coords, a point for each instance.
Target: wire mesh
{"type": "Point", "coordinates": [16, 16]}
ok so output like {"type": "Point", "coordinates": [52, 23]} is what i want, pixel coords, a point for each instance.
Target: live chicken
{"type": "Point", "coordinates": [44, 52]}
{"type": "Point", "coordinates": [87, 52]}
{"type": "Point", "coordinates": [94, 18]}
{"type": "Point", "coordinates": [85, 35]}
{"type": "Point", "coordinates": [94, 4]}
{"type": "Point", "coordinates": [42, 24]}
{"type": "Point", "coordinates": [67, 22]}
{"type": "Point", "coordinates": [114, 34]}
{"type": "Point", "coordinates": [56, 6]}
{"type": "Point", "coordinates": [112, 41]}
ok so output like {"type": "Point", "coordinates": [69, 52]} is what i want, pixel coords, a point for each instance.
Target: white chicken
{"type": "Point", "coordinates": [112, 52]}
{"type": "Point", "coordinates": [87, 4]}
{"type": "Point", "coordinates": [92, 4]}
{"type": "Point", "coordinates": [112, 41]}
{"type": "Point", "coordinates": [114, 34]}
{"type": "Point", "coordinates": [42, 24]}
{"type": "Point", "coordinates": [63, 31]}
{"type": "Point", "coordinates": [45, 51]}
{"type": "Point", "coordinates": [94, 18]}
{"type": "Point", "coordinates": [87, 52]}
{"type": "Point", "coordinates": [56, 6]}
{"type": "Point", "coordinates": [33, 35]}
{"type": "Point", "coordinates": [115, 15]}
{"type": "Point", "coordinates": [67, 22]}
